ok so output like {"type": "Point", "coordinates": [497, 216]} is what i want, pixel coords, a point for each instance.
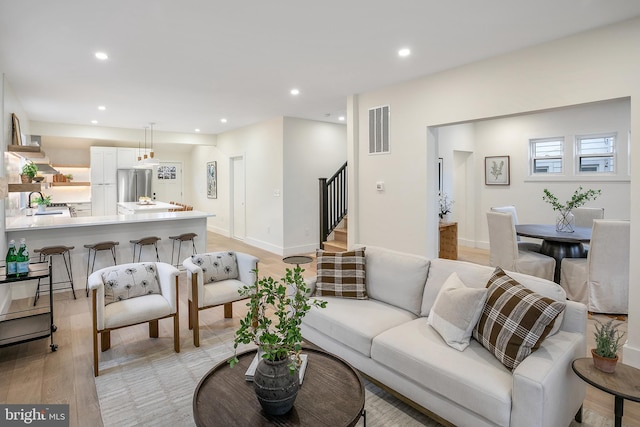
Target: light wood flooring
{"type": "Point", "coordinates": [31, 373]}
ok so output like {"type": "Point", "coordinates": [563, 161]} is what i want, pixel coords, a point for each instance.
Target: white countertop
{"type": "Point", "coordinates": [23, 222]}
{"type": "Point", "coordinates": [150, 207]}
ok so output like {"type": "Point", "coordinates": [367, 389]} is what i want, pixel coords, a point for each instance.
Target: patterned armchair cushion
{"type": "Point", "coordinates": [134, 281]}
{"type": "Point", "coordinates": [217, 266]}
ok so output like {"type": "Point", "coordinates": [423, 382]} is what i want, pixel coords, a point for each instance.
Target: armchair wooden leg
{"type": "Point", "coordinates": [176, 333]}
{"type": "Point", "coordinates": [196, 327]}
{"type": "Point", "coordinates": [105, 340]}
{"type": "Point", "coordinates": [153, 329]}
{"type": "Point", "coordinates": [228, 310]}
{"type": "Point", "coordinates": [190, 306]}
{"type": "Point", "coordinates": [95, 353]}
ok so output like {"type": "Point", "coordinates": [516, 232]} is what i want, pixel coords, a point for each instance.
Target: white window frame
{"type": "Point", "coordinates": [533, 158]}
{"type": "Point", "coordinates": [578, 155]}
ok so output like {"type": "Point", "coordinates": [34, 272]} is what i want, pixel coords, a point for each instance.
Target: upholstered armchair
{"type": "Point", "coordinates": [214, 279]}
{"type": "Point", "coordinates": [504, 251]}
{"type": "Point", "coordinates": [130, 294]}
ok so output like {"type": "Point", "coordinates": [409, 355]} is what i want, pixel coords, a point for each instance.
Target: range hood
{"type": "Point", "coordinates": [45, 168]}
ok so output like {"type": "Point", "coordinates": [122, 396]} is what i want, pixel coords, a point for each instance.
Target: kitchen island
{"type": "Point", "coordinates": [130, 208]}
{"type": "Point", "coordinates": [52, 230]}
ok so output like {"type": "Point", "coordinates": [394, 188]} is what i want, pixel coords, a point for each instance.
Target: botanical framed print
{"type": "Point", "coordinates": [212, 180]}
{"type": "Point", "coordinates": [496, 170]}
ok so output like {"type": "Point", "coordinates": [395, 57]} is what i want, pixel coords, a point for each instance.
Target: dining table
{"type": "Point", "coordinates": [557, 244]}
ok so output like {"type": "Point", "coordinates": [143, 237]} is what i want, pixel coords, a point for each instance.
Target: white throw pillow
{"type": "Point", "coordinates": [456, 311]}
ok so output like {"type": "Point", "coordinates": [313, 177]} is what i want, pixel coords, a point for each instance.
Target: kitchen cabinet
{"type": "Point", "coordinates": [81, 208]}
{"type": "Point", "coordinates": [104, 168]}
{"type": "Point", "coordinates": [127, 158]}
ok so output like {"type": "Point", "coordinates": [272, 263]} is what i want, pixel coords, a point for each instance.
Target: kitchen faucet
{"type": "Point", "coordinates": [32, 193]}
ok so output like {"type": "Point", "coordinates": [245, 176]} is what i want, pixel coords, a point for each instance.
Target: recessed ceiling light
{"type": "Point", "coordinates": [95, 122]}
{"type": "Point", "coordinates": [102, 56]}
{"type": "Point", "coordinates": [102, 107]}
{"type": "Point", "coordinates": [295, 92]}
{"type": "Point", "coordinates": [404, 52]}
{"type": "Point", "coordinates": [341, 118]}
{"type": "Point", "coordinates": [197, 130]}
{"type": "Point", "coordinates": [223, 120]}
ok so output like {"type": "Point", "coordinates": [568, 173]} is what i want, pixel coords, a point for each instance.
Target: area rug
{"type": "Point", "coordinates": [155, 388]}
{"type": "Point", "coordinates": [143, 386]}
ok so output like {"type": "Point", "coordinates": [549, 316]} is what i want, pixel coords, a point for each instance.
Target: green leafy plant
{"type": "Point", "coordinates": [288, 301]}
{"type": "Point", "coordinates": [445, 205]}
{"type": "Point", "coordinates": [69, 176]}
{"type": "Point", "coordinates": [46, 200]}
{"type": "Point", "coordinates": [30, 169]}
{"type": "Point", "coordinates": [608, 338]}
{"type": "Point", "coordinates": [578, 199]}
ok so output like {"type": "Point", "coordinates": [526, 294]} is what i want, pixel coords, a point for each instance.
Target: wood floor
{"type": "Point", "coordinates": [31, 373]}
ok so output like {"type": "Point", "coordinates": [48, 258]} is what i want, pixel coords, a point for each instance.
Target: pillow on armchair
{"type": "Point", "coordinates": [341, 274]}
{"type": "Point", "coordinates": [133, 281]}
{"type": "Point", "coordinates": [217, 266]}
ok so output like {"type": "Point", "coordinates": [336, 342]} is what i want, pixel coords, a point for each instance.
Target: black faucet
{"type": "Point", "coordinates": [32, 193]}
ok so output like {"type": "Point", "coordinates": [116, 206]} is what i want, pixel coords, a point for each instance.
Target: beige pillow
{"type": "Point", "coordinates": [217, 266]}
{"type": "Point", "coordinates": [133, 281]}
{"type": "Point", "coordinates": [341, 274]}
{"type": "Point", "coordinates": [456, 311]}
{"type": "Point", "coordinates": [515, 320]}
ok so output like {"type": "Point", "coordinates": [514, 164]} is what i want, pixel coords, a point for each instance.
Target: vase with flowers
{"type": "Point", "coordinates": [445, 206]}
{"type": "Point", "coordinates": [565, 221]}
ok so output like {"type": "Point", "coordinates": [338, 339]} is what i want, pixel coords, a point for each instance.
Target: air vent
{"type": "Point", "coordinates": [379, 130]}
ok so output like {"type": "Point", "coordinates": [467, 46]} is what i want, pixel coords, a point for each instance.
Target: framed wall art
{"type": "Point", "coordinates": [212, 180]}
{"type": "Point", "coordinates": [496, 170]}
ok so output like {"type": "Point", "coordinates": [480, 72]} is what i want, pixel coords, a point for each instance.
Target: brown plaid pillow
{"type": "Point", "coordinates": [341, 274]}
{"type": "Point", "coordinates": [515, 320]}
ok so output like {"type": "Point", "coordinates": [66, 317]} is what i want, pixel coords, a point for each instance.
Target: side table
{"type": "Point", "coordinates": [448, 240]}
{"type": "Point", "coordinates": [623, 383]}
{"type": "Point", "coordinates": [297, 259]}
{"type": "Point", "coordinates": [332, 394]}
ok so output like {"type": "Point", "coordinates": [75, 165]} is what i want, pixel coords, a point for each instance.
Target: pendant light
{"type": "Point", "coordinates": [145, 142]}
{"type": "Point", "coordinates": [139, 157]}
{"type": "Point", "coordinates": [151, 152]}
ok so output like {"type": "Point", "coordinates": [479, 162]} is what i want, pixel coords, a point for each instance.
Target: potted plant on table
{"type": "Point", "coordinates": [29, 170]}
{"type": "Point", "coordinates": [608, 337]}
{"type": "Point", "coordinates": [42, 202]}
{"type": "Point", "coordinates": [566, 221]}
{"type": "Point", "coordinates": [286, 302]}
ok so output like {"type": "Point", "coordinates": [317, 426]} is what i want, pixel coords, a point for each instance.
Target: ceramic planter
{"type": "Point", "coordinates": [275, 386]}
{"type": "Point", "coordinates": [605, 364]}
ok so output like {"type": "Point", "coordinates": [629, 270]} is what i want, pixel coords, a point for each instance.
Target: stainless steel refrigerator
{"type": "Point", "coordinates": [133, 183]}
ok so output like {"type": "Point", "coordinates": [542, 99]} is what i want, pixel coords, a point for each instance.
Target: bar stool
{"type": "Point", "coordinates": [145, 241]}
{"type": "Point", "coordinates": [49, 252]}
{"type": "Point", "coordinates": [102, 246]}
{"type": "Point", "coordinates": [185, 237]}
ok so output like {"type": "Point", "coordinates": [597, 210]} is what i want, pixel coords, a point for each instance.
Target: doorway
{"type": "Point", "coordinates": [167, 182]}
{"type": "Point", "coordinates": [238, 213]}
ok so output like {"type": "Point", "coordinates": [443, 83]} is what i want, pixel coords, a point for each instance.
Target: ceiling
{"type": "Point", "coordinates": [188, 64]}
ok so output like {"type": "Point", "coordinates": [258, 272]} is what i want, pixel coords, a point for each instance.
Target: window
{"type": "Point", "coordinates": [379, 130]}
{"type": "Point", "coordinates": [546, 155]}
{"type": "Point", "coordinates": [595, 153]}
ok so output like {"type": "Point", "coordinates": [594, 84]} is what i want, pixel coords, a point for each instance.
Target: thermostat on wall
{"type": "Point", "coordinates": [380, 186]}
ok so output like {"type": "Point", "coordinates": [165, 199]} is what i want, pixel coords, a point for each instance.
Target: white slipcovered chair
{"type": "Point", "coordinates": [584, 216]}
{"type": "Point", "coordinates": [522, 245]}
{"type": "Point", "coordinates": [504, 251]}
{"type": "Point", "coordinates": [214, 279]}
{"type": "Point", "coordinates": [601, 281]}
{"type": "Point", "coordinates": [130, 294]}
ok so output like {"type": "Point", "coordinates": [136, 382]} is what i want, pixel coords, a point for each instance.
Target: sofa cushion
{"type": "Point", "coordinates": [514, 320]}
{"type": "Point", "coordinates": [341, 274]}
{"type": "Point", "coordinates": [456, 311]}
{"type": "Point", "coordinates": [396, 278]}
{"type": "Point", "coordinates": [473, 378]}
{"type": "Point", "coordinates": [216, 266]}
{"type": "Point", "coordinates": [355, 322]}
{"type": "Point", "coordinates": [121, 283]}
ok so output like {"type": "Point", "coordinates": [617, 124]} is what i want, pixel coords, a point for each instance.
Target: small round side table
{"type": "Point", "coordinates": [297, 259]}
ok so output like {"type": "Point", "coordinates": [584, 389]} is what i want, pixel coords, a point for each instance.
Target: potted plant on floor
{"type": "Point", "coordinates": [566, 221]}
{"type": "Point", "coordinates": [42, 202]}
{"type": "Point", "coordinates": [29, 170]}
{"type": "Point", "coordinates": [276, 310]}
{"type": "Point", "coordinates": [608, 337]}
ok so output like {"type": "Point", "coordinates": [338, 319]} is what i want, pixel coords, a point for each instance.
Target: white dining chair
{"type": "Point", "coordinates": [601, 281]}
{"type": "Point", "coordinates": [504, 251]}
{"type": "Point", "coordinates": [522, 245]}
{"type": "Point", "coordinates": [584, 216]}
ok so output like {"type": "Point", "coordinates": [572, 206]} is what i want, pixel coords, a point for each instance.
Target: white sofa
{"type": "Point", "coordinates": [387, 338]}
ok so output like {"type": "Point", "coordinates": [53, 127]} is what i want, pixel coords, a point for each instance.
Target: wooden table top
{"type": "Point", "coordinates": [548, 232]}
{"type": "Point", "coordinates": [332, 394]}
{"type": "Point", "coordinates": [624, 382]}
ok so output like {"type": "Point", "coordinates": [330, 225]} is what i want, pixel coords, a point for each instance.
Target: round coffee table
{"type": "Point", "coordinates": [623, 383]}
{"type": "Point", "coordinates": [332, 394]}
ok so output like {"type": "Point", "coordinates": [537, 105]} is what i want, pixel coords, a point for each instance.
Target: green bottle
{"type": "Point", "coordinates": [22, 260]}
{"type": "Point", "coordinates": [12, 267]}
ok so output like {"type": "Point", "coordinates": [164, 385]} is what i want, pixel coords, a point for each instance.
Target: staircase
{"type": "Point", "coordinates": [337, 240]}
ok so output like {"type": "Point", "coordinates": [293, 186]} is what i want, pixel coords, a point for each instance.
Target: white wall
{"type": "Point", "coordinates": [510, 136]}
{"type": "Point", "coordinates": [312, 150]}
{"type": "Point", "coordinates": [557, 74]}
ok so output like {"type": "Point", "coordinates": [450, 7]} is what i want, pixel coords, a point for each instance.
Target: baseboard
{"type": "Point", "coordinates": [631, 355]}
{"type": "Point", "coordinates": [302, 249]}
{"type": "Point", "coordinates": [278, 250]}
{"type": "Point", "coordinates": [222, 231]}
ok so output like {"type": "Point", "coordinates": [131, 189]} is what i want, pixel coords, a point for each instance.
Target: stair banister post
{"type": "Point", "coordinates": [324, 220]}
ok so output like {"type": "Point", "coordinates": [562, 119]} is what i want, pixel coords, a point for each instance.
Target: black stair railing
{"type": "Point", "coordinates": [333, 202]}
